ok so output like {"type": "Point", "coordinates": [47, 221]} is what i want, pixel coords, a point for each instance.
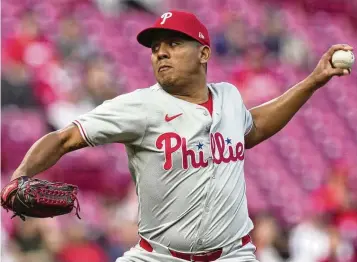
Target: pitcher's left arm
{"type": "Point", "coordinates": [269, 118]}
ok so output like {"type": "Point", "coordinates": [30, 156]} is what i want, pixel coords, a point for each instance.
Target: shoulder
{"type": "Point", "coordinates": [225, 88]}
{"type": "Point", "coordinates": [138, 96]}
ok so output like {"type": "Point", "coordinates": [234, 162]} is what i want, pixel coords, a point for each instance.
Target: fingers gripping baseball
{"type": "Point", "coordinates": [331, 52]}
{"type": "Point", "coordinates": [325, 70]}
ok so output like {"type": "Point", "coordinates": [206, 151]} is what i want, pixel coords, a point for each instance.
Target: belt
{"type": "Point", "coordinates": [199, 257]}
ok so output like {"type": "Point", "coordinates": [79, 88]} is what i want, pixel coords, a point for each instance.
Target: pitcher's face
{"type": "Point", "coordinates": [175, 58]}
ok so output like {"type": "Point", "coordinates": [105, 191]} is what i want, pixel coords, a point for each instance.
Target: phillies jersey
{"type": "Point", "coordinates": [186, 163]}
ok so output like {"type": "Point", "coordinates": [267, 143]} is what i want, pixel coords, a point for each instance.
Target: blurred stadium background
{"type": "Point", "coordinates": [62, 58]}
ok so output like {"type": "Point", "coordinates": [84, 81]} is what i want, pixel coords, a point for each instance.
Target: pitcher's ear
{"type": "Point", "coordinates": [205, 54]}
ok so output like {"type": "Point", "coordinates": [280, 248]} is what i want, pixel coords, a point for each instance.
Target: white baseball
{"type": "Point", "coordinates": [343, 59]}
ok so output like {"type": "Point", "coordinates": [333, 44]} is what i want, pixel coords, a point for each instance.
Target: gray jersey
{"type": "Point", "coordinates": [187, 164]}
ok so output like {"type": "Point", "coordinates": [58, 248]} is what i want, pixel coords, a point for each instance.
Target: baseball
{"type": "Point", "coordinates": [343, 59]}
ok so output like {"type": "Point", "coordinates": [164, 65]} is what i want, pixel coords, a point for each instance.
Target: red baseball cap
{"type": "Point", "coordinates": [179, 21]}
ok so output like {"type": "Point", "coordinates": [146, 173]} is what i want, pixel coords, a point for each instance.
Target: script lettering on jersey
{"type": "Point", "coordinates": [172, 142]}
{"type": "Point", "coordinates": [218, 147]}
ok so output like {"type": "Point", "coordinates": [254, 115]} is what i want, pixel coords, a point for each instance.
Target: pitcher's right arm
{"type": "Point", "coordinates": [48, 150]}
{"type": "Point", "coordinates": [119, 120]}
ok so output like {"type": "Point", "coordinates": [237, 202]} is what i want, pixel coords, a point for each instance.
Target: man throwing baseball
{"type": "Point", "coordinates": [186, 141]}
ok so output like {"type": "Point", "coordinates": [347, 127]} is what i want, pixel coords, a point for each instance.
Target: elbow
{"type": "Point", "coordinates": [70, 139]}
{"type": "Point", "coordinates": [256, 141]}
{"type": "Point", "coordinates": [249, 145]}
{"type": "Point", "coordinates": [254, 137]}
{"type": "Point", "coordinates": [60, 140]}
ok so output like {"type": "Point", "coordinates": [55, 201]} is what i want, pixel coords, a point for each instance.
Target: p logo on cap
{"type": "Point", "coordinates": [177, 22]}
{"type": "Point", "coordinates": [165, 16]}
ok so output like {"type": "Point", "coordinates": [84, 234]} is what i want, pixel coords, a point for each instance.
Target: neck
{"type": "Point", "coordinates": [194, 92]}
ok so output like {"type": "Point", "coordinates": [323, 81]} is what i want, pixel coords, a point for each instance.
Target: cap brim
{"type": "Point", "coordinates": [147, 36]}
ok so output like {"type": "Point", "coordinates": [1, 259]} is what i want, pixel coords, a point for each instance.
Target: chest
{"type": "Point", "coordinates": [188, 136]}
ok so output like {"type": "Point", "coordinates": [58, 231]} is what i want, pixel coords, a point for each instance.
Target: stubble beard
{"type": "Point", "coordinates": [168, 83]}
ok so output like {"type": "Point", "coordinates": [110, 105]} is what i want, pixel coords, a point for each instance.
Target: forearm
{"type": "Point", "coordinates": [271, 117]}
{"type": "Point", "coordinates": [41, 156]}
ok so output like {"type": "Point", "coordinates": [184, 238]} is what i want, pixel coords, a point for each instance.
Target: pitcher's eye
{"type": "Point", "coordinates": [174, 43]}
{"type": "Point", "coordinates": [154, 48]}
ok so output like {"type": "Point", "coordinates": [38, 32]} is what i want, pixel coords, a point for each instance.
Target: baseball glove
{"type": "Point", "coordinates": [39, 198]}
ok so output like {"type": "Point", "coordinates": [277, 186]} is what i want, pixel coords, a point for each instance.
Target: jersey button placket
{"type": "Point", "coordinates": [204, 216]}
{"type": "Point", "coordinates": [207, 208]}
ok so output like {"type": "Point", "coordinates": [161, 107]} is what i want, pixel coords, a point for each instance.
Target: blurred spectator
{"type": "Point", "coordinates": [127, 212]}
{"type": "Point", "coordinates": [265, 235]}
{"type": "Point", "coordinates": [235, 39]}
{"type": "Point", "coordinates": [318, 239]}
{"type": "Point", "coordinates": [154, 6]}
{"type": "Point", "coordinates": [69, 101]}
{"type": "Point", "coordinates": [17, 57]}
{"type": "Point", "coordinates": [78, 96]}
{"type": "Point", "coordinates": [28, 51]}
{"type": "Point", "coordinates": [346, 229]}
{"type": "Point", "coordinates": [112, 8]}
{"type": "Point", "coordinates": [273, 32]}
{"type": "Point", "coordinates": [16, 86]}
{"type": "Point", "coordinates": [78, 246]}
{"type": "Point", "coordinates": [27, 31]}
{"type": "Point", "coordinates": [112, 247]}
{"type": "Point", "coordinates": [344, 221]}
{"type": "Point", "coordinates": [340, 250]}
{"type": "Point", "coordinates": [99, 82]}
{"type": "Point", "coordinates": [120, 232]}
{"type": "Point", "coordinates": [294, 50]}
{"type": "Point", "coordinates": [71, 42]}
{"type": "Point", "coordinates": [334, 194]}
{"type": "Point", "coordinates": [309, 241]}
{"type": "Point", "coordinates": [28, 45]}
{"type": "Point", "coordinates": [254, 79]}
{"type": "Point", "coordinates": [29, 241]}
{"type": "Point", "coordinates": [7, 248]}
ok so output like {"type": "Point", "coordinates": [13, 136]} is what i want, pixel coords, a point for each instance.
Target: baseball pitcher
{"type": "Point", "coordinates": [186, 141]}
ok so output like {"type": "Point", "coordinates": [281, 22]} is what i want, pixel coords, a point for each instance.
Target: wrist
{"type": "Point", "coordinates": [311, 83]}
{"type": "Point", "coordinates": [17, 174]}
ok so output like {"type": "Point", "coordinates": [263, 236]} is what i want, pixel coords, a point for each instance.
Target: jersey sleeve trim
{"type": "Point", "coordinates": [83, 133]}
